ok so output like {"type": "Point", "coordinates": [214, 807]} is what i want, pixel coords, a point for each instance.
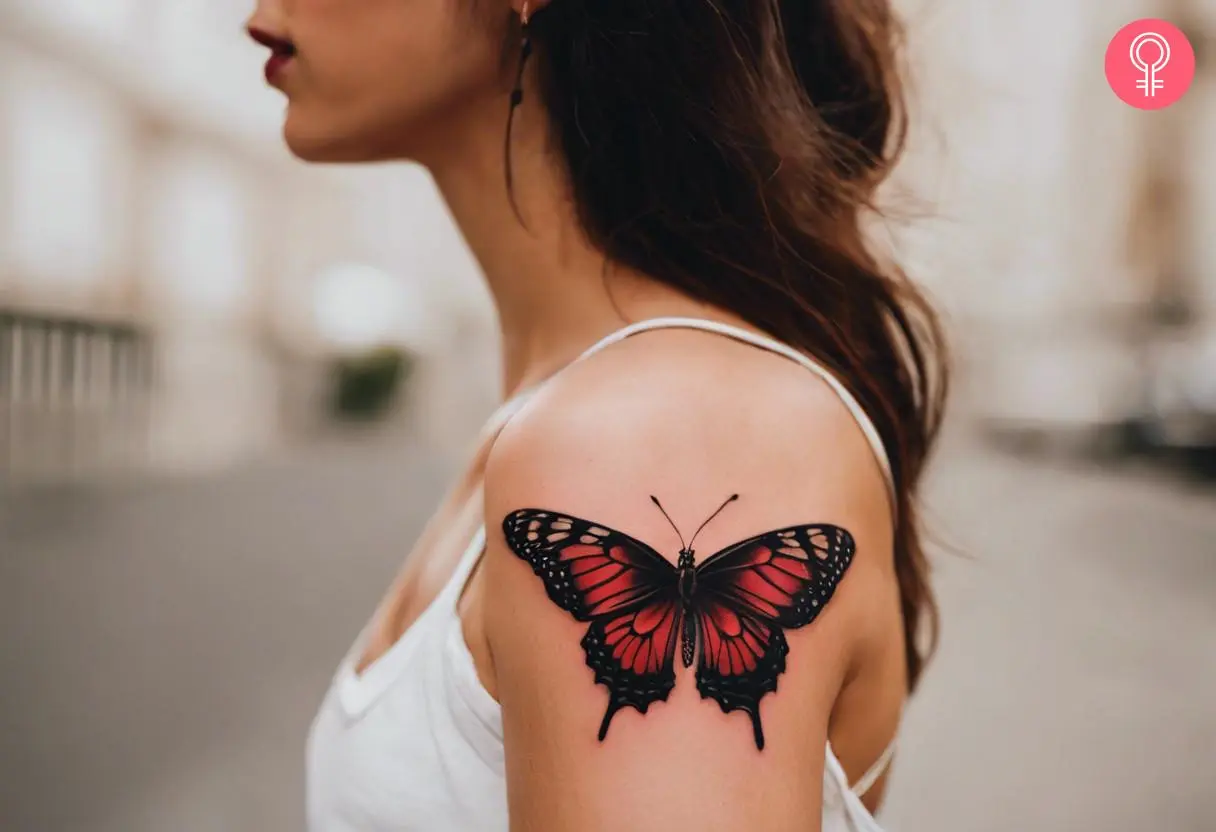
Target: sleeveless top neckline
{"type": "Point", "coordinates": [422, 750]}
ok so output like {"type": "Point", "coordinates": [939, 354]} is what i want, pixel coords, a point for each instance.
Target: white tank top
{"type": "Point", "coordinates": [414, 743]}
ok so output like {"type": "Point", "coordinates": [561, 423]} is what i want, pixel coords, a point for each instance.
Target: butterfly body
{"type": "Point", "coordinates": [687, 580]}
{"type": "Point", "coordinates": [734, 606]}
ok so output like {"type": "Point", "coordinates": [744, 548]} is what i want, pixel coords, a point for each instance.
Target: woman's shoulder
{"type": "Point", "coordinates": [673, 401]}
{"type": "Point", "coordinates": [743, 469]}
{"type": "Point", "coordinates": [691, 419]}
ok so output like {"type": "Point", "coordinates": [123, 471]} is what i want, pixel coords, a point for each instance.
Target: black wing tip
{"type": "Point", "coordinates": [757, 729]}
{"type": "Point", "coordinates": [611, 712]}
{"type": "Point", "coordinates": [752, 711]}
{"type": "Point", "coordinates": [523, 512]}
{"type": "Point", "coordinates": [510, 520]}
{"type": "Point", "coordinates": [845, 537]}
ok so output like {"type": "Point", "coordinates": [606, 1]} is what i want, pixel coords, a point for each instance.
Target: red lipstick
{"type": "Point", "coordinates": [281, 49]}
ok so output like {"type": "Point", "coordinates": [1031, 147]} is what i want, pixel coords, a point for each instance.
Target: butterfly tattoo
{"type": "Point", "coordinates": [734, 606]}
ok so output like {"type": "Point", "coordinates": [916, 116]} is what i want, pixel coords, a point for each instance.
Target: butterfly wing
{"type": "Point", "coordinates": [786, 576]}
{"type": "Point", "coordinates": [741, 658]}
{"type": "Point", "coordinates": [747, 594]}
{"type": "Point", "coordinates": [628, 592]}
{"type": "Point", "coordinates": [632, 655]}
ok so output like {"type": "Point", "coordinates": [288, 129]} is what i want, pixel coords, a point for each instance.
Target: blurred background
{"type": "Point", "coordinates": [232, 387]}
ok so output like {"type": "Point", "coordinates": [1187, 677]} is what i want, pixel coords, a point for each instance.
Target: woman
{"type": "Point", "coordinates": [693, 175]}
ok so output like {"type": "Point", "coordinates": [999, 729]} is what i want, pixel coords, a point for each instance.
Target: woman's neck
{"type": "Point", "coordinates": [553, 290]}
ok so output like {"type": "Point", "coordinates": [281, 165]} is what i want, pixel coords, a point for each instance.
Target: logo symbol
{"type": "Point", "coordinates": [1150, 83]}
{"type": "Point", "coordinates": [1150, 64]}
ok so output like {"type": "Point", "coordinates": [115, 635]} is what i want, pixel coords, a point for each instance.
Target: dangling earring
{"type": "Point", "coordinates": [525, 51]}
{"type": "Point", "coordinates": [517, 97]}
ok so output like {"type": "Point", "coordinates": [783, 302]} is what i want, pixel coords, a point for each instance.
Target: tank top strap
{"type": "Point", "coordinates": [772, 345]}
{"type": "Point", "coordinates": [489, 433]}
{"type": "Point", "coordinates": [503, 414]}
{"type": "Point", "coordinates": [846, 800]}
{"type": "Point", "coordinates": [872, 775]}
{"type": "Point", "coordinates": [464, 568]}
{"type": "Point", "coordinates": [509, 409]}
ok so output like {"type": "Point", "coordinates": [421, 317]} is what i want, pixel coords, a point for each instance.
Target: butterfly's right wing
{"type": "Point", "coordinates": [748, 595]}
{"type": "Point", "coordinates": [625, 589]}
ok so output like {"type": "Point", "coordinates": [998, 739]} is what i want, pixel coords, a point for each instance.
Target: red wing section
{"type": "Point", "coordinates": [787, 576]}
{"type": "Point", "coordinates": [626, 590]}
{"type": "Point", "coordinates": [741, 658]}
{"type": "Point", "coordinates": [747, 595]}
{"type": "Point", "coordinates": [632, 655]}
{"type": "Point", "coordinates": [588, 570]}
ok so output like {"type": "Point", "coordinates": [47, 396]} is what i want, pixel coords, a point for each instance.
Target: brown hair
{"type": "Point", "coordinates": [732, 149]}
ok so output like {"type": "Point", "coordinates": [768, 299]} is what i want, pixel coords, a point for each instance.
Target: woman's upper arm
{"type": "Point", "coordinates": [571, 598]}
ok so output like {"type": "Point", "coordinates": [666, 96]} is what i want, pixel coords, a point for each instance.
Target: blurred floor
{"type": "Point", "coordinates": [166, 645]}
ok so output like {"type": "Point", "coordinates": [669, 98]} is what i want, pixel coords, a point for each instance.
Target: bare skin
{"type": "Point", "coordinates": [425, 80]}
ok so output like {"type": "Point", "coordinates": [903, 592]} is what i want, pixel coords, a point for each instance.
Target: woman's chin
{"type": "Point", "coordinates": [311, 147]}
{"type": "Point", "coordinates": [325, 143]}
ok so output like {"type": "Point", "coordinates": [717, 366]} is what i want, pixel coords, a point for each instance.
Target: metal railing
{"type": "Point", "coordinates": [74, 396]}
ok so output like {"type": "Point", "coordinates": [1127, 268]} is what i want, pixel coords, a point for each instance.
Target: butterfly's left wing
{"type": "Point", "coordinates": [747, 594]}
{"type": "Point", "coordinates": [589, 570]}
{"type": "Point", "coordinates": [626, 590]}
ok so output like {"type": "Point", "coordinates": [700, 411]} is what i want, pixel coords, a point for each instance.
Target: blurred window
{"type": "Point", "coordinates": [199, 235]}
{"type": "Point", "coordinates": [69, 156]}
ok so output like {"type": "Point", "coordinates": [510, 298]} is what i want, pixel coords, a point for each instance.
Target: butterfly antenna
{"type": "Point", "coordinates": [729, 500]}
{"type": "Point", "coordinates": [669, 520]}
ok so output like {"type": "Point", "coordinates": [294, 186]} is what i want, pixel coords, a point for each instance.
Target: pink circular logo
{"type": "Point", "coordinates": [1150, 64]}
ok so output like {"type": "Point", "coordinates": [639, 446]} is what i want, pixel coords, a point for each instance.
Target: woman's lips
{"type": "Point", "coordinates": [275, 65]}
{"type": "Point", "coordinates": [281, 49]}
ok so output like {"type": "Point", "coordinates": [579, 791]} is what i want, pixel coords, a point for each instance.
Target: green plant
{"type": "Point", "coordinates": [367, 385]}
